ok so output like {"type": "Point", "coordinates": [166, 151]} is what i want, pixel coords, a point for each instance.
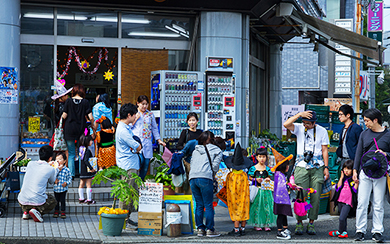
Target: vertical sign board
{"type": "Point", "coordinates": [375, 21]}
{"type": "Point", "coordinates": [289, 111]}
{"type": "Point", "coordinates": [364, 86]}
{"type": "Point", "coordinates": [343, 64]}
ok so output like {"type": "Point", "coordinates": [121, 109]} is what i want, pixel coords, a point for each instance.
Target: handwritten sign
{"type": "Point", "coordinates": [151, 197]}
{"type": "Point", "coordinates": [34, 124]}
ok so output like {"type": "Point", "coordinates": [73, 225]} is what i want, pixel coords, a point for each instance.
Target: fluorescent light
{"type": "Point", "coordinates": [148, 34]}
{"type": "Point", "coordinates": [51, 16]}
{"type": "Point", "coordinates": [135, 21]}
{"type": "Point", "coordinates": [171, 29]}
{"type": "Point", "coordinates": [179, 28]}
{"type": "Point", "coordinates": [185, 35]}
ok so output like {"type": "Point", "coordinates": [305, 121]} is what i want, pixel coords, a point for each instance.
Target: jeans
{"type": "Point", "coordinates": [144, 166]}
{"type": "Point", "coordinates": [72, 154]}
{"type": "Point", "coordinates": [378, 187]}
{"type": "Point", "coordinates": [310, 178]}
{"type": "Point", "coordinates": [202, 190]}
{"type": "Point", "coordinates": [344, 211]}
{"type": "Point", "coordinates": [61, 198]}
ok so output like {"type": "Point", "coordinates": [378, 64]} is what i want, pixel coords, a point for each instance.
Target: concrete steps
{"type": "Point", "coordinates": [100, 193]}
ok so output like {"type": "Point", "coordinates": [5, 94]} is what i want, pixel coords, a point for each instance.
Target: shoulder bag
{"type": "Point", "coordinates": [215, 183]}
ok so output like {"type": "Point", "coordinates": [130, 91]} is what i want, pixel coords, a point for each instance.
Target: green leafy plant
{"type": "Point", "coordinates": [120, 187]}
{"type": "Point", "coordinates": [162, 176]}
{"type": "Point", "coordinates": [23, 162]}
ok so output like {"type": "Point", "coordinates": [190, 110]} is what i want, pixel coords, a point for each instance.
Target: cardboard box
{"type": "Point", "coordinates": [150, 223]}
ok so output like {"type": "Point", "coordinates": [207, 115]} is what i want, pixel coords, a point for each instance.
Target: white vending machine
{"type": "Point", "coordinates": [219, 97]}
{"type": "Point", "coordinates": [174, 94]}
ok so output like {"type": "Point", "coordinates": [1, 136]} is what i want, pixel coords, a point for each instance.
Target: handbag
{"type": "Point", "coordinates": [13, 181]}
{"type": "Point", "coordinates": [327, 186]}
{"type": "Point", "coordinates": [253, 190]}
{"type": "Point", "coordinates": [215, 182]}
{"type": "Point", "coordinates": [93, 162]}
{"type": "Point", "coordinates": [300, 204]}
{"type": "Point", "coordinates": [59, 144]}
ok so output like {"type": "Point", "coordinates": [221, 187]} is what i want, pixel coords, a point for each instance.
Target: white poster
{"type": "Point", "coordinates": [289, 111]}
{"type": "Point", "coordinates": [151, 197]}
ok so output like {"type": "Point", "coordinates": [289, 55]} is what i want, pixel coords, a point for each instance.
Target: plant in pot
{"type": "Point", "coordinates": [164, 178]}
{"type": "Point", "coordinates": [112, 219]}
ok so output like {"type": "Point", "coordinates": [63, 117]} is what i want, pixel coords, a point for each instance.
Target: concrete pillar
{"type": "Point", "coordinates": [225, 34]}
{"type": "Point", "coordinates": [10, 57]}
{"type": "Point", "coordinates": [275, 96]}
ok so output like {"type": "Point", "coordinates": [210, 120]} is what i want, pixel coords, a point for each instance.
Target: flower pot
{"type": "Point", "coordinates": [113, 224]}
{"type": "Point", "coordinates": [168, 190]}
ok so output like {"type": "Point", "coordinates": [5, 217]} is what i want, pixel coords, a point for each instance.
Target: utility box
{"type": "Point", "coordinates": [150, 224]}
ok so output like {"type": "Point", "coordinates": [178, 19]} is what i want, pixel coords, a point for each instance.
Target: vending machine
{"type": "Point", "coordinates": [219, 97]}
{"type": "Point", "coordinates": [174, 94]}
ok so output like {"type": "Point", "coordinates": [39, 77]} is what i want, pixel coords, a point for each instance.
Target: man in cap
{"type": "Point", "coordinates": [311, 164]}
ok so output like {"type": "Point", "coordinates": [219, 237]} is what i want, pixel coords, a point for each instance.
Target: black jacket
{"type": "Point", "coordinates": [336, 196]}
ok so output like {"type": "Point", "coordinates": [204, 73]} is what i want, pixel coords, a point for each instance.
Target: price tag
{"type": "Point", "coordinates": [34, 124]}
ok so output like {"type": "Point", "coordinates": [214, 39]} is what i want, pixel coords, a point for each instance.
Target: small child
{"type": "Point", "coordinates": [261, 210]}
{"type": "Point", "coordinates": [237, 191]}
{"type": "Point", "coordinates": [106, 143]}
{"type": "Point", "coordinates": [85, 176]}
{"type": "Point", "coordinates": [282, 205]}
{"type": "Point", "coordinates": [345, 198]}
{"type": "Point", "coordinates": [63, 180]}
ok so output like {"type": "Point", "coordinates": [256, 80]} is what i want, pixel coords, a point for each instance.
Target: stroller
{"type": "Point", "coordinates": [19, 155]}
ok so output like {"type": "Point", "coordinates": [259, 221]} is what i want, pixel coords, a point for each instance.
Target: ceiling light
{"type": "Point", "coordinates": [152, 34]}
{"type": "Point", "coordinates": [185, 35]}
{"type": "Point", "coordinates": [51, 16]}
{"type": "Point", "coordinates": [135, 21]}
{"type": "Point", "coordinates": [171, 29]}
{"type": "Point", "coordinates": [179, 28]}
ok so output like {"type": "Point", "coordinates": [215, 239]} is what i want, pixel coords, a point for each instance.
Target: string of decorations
{"type": "Point", "coordinates": [83, 63]}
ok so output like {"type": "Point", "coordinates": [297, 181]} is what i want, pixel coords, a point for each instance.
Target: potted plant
{"type": "Point", "coordinates": [164, 178]}
{"type": "Point", "coordinates": [112, 219]}
{"type": "Point", "coordinates": [22, 167]}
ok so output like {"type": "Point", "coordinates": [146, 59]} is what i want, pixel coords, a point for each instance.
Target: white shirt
{"type": "Point", "coordinates": [321, 139]}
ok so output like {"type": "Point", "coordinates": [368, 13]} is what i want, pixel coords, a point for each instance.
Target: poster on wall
{"type": "Point", "coordinates": [335, 103]}
{"type": "Point", "coordinates": [289, 111]}
{"type": "Point", "coordinates": [9, 85]}
{"type": "Point", "coordinates": [151, 197]}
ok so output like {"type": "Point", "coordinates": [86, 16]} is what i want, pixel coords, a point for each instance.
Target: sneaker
{"type": "Point", "coordinates": [234, 232]}
{"type": "Point", "coordinates": [36, 215]}
{"type": "Point", "coordinates": [334, 233]}
{"type": "Point", "coordinates": [63, 215]}
{"type": "Point", "coordinates": [201, 232]}
{"type": "Point", "coordinates": [91, 202]}
{"type": "Point", "coordinates": [299, 229]}
{"type": "Point", "coordinates": [287, 231]}
{"type": "Point", "coordinates": [212, 233]}
{"type": "Point", "coordinates": [310, 229]}
{"type": "Point", "coordinates": [377, 237]}
{"type": "Point", "coordinates": [25, 216]}
{"type": "Point", "coordinates": [55, 215]}
{"type": "Point", "coordinates": [343, 235]}
{"type": "Point", "coordinates": [267, 229]}
{"type": "Point", "coordinates": [81, 201]}
{"type": "Point", "coordinates": [282, 235]}
{"type": "Point", "coordinates": [258, 228]}
{"type": "Point", "coordinates": [359, 236]}
{"type": "Point", "coordinates": [242, 232]}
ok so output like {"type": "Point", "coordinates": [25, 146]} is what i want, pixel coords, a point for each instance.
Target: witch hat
{"type": "Point", "coordinates": [279, 158]}
{"type": "Point", "coordinates": [238, 161]}
{"type": "Point", "coordinates": [374, 164]}
{"type": "Point", "coordinates": [60, 90]}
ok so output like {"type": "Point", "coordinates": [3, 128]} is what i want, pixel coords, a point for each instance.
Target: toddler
{"type": "Point", "coordinates": [63, 180]}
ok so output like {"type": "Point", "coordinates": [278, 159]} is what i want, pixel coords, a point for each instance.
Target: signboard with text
{"type": "Point", "coordinates": [364, 86]}
{"type": "Point", "coordinates": [151, 197]}
{"type": "Point", "coordinates": [375, 17]}
{"type": "Point", "coordinates": [220, 64]}
{"type": "Point", "coordinates": [34, 124]}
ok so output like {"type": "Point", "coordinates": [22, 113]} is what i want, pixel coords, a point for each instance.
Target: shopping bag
{"type": "Point", "coordinates": [167, 156]}
{"type": "Point", "coordinates": [59, 144]}
{"type": "Point", "coordinates": [93, 162]}
{"type": "Point", "coordinates": [13, 182]}
{"type": "Point", "coordinates": [300, 205]}
{"type": "Point", "coordinates": [253, 190]}
{"type": "Point", "coordinates": [222, 195]}
{"type": "Point", "coordinates": [267, 185]}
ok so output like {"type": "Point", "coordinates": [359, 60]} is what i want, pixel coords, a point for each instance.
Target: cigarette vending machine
{"type": "Point", "coordinates": [174, 95]}
{"type": "Point", "coordinates": [219, 97]}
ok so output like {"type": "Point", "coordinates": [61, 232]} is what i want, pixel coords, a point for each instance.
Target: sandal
{"type": "Point", "coordinates": [82, 201]}
{"type": "Point", "coordinates": [267, 229]}
{"type": "Point", "coordinates": [258, 228]}
{"type": "Point", "coordinates": [91, 202]}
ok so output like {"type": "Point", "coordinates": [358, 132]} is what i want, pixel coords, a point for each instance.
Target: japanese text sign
{"type": "Point", "coordinates": [34, 124]}
{"type": "Point", "coordinates": [375, 17]}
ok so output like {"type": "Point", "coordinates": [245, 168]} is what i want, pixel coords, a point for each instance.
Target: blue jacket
{"type": "Point", "coordinates": [351, 140]}
{"type": "Point", "coordinates": [189, 149]}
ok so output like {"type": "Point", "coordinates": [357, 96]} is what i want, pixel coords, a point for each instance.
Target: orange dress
{"type": "Point", "coordinates": [106, 153]}
{"type": "Point", "coordinates": [238, 200]}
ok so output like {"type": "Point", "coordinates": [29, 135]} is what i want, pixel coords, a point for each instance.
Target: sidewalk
{"type": "Point", "coordinates": [84, 229]}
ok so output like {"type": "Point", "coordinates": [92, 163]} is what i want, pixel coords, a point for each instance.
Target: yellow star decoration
{"type": "Point", "coordinates": [85, 64]}
{"type": "Point", "coordinates": [108, 75]}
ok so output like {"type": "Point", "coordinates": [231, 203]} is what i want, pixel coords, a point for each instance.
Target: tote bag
{"type": "Point", "coordinates": [59, 144]}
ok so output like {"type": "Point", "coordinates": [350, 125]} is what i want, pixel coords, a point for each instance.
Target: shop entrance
{"type": "Point", "coordinates": [94, 67]}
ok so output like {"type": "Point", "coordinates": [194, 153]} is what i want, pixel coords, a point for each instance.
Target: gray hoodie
{"type": "Point", "coordinates": [200, 166]}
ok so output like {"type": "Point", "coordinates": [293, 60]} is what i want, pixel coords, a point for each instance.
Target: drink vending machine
{"type": "Point", "coordinates": [174, 94]}
{"type": "Point", "coordinates": [219, 97]}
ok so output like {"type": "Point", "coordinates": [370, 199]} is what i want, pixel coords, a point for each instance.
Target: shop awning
{"type": "Point", "coordinates": [359, 43]}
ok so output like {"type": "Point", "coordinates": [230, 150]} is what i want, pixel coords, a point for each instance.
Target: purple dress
{"type": "Point", "coordinates": [282, 203]}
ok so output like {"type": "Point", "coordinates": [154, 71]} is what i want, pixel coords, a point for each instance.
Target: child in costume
{"type": "Point", "coordinates": [237, 190]}
{"type": "Point", "coordinates": [345, 198]}
{"type": "Point", "coordinates": [85, 176]}
{"type": "Point", "coordinates": [106, 143]}
{"type": "Point", "coordinates": [282, 205]}
{"type": "Point", "coordinates": [261, 210]}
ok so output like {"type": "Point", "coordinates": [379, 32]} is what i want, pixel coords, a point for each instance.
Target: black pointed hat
{"type": "Point", "coordinates": [238, 161]}
{"type": "Point", "coordinates": [374, 164]}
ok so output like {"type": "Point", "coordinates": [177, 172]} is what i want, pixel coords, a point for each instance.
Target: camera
{"type": "Point", "coordinates": [308, 156]}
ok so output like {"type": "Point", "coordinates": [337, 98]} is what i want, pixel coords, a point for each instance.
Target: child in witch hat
{"type": "Point", "coordinates": [237, 190]}
{"type": "Point", "coordinates": [282, 205]}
